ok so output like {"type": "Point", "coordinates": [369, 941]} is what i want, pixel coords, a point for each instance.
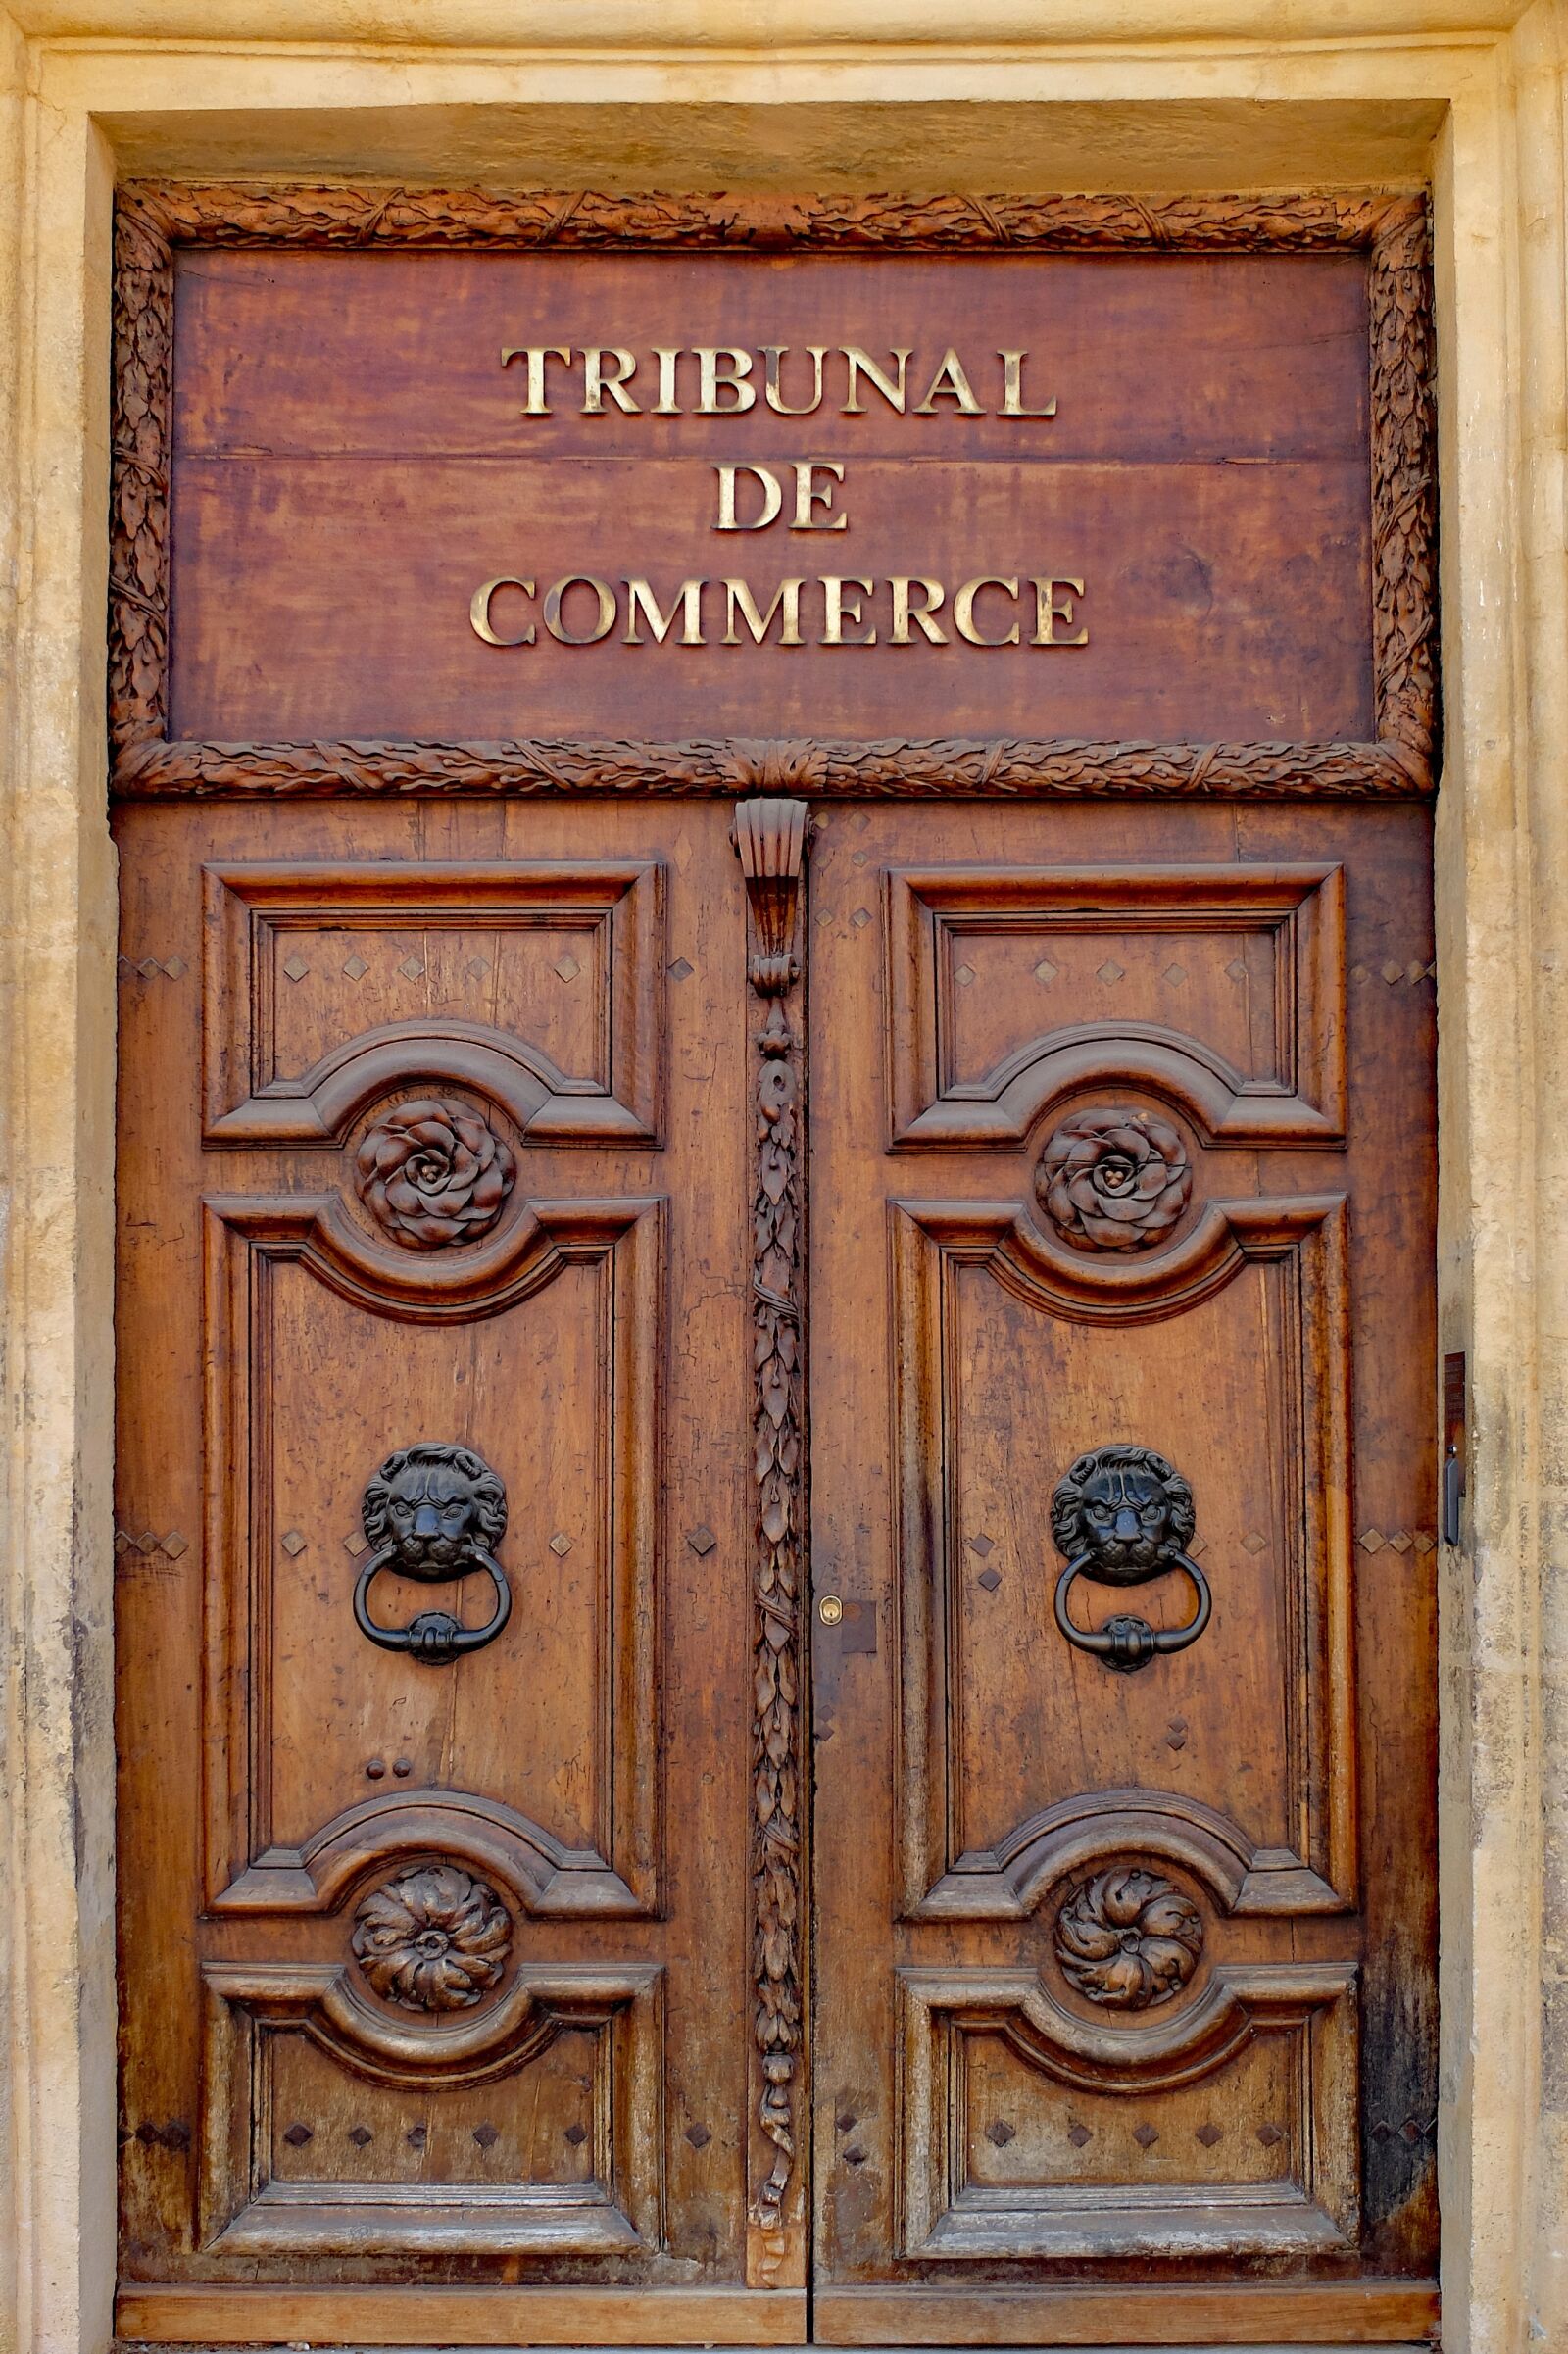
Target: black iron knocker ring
{"type": "Point", "coordinates": [435, 1636]}
{"type": "Point", "coordinates": [1127, 1643]}
{"type": "Point", "coordinates": [1122, 1516]}
{"type": "Point", "coordinates": [432, 1513]}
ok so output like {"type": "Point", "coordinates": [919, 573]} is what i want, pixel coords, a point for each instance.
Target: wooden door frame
{"type": "Point", "coordinates": [155, 220]}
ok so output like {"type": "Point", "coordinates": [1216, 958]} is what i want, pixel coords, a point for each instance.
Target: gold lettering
{"type": "Point", "coordinates": [1012, 388]}
{"type": "Point", "coordinates": [964, 610]}
{"type": "Point", "coordinates": [554, 621]}
{"type": "Point", "coordinates": [737, 598]}
{"type": "Point", "coordinates": [1050, 608]}
{"type": "Point", "coordinates": [598, 379]}
{"type": "Point", "coordinates": [535, 354]}
{"type": "Point", "coordinates": [773, 355]}
{"type": "Point", "coordinates": [666, 404]}
{"type": "Point", "coordinates": [861, 365]}
{"type": "Point", "coordinates": [479, 610]}
{"type": "Point", "coordinates": [949, 383]}
{"type": "Point", "coordinates": [905, 612]}
{"type": "Point", "coordinates": [773, 496]}
{"type": "Point", "coordinates": [714, 377]}
{"type": "Point", "coordinates": [842, 609]}
{"type": "Point", "coordinates": [687, 599]}
{"type": "Point", "coordinates": [810, 493]}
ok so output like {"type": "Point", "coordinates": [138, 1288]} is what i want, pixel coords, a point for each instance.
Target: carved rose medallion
{"type": "Point", "coordinates": [1128, 1939]}
{"type": "Point", "coordinates": [1113, 1179]}
{"type": "Point", "coordinates": [433, 1173]}
{"type": "Point", "coordinates": [433, 1940]}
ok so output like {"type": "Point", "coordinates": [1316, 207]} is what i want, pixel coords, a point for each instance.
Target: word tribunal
{"type": "Point", "coordinates": [833, 610]}
{"type": "Point", "coordinates": [726, 380]}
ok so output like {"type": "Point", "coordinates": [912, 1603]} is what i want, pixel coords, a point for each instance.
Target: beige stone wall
{"type": "Point", "coordinates": [1225, 94]}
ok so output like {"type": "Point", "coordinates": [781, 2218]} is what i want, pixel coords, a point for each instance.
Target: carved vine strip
{"type": "Point", "coordinates": [153, 217]}
{"type": "Point", "coordinates": [770, 839]}
{"type": "Point", "coordinates": [972, 765]}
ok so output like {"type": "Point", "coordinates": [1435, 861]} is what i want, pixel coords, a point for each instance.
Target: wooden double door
{"type": "Point", "coordinates": [776, 1572]}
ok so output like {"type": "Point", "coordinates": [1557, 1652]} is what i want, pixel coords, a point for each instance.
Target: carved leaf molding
{"type": "Point", "coordinates": [152, 218]}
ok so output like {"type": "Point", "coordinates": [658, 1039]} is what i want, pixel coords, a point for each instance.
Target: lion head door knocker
{"type": "Point", "coordinates": [435, 1513]}
{"type": "Point", "coordinates": [1122, 1516]}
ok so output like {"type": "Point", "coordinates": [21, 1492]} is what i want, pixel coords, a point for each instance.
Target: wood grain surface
{"type": "Point", "coordinates": [351, 462]}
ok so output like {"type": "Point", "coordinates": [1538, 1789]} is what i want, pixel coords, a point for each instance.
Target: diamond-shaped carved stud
{"type": "Point", "coordinates": [1237, 969]}
{"type": "Point", "coordinates": [147, 1542]}
{"type": "Point", "coordinates": [1175, 975]}
{"type": "Point", "coordinates": [416, 2137]}
{"type": "Point", "coordinates": [1401, 1541]}
{"type": "Point", "coordinates": [1208, 2135]}
{"type": "Point", "coordinates": [861, 918]}
{"type": "Point", "coordinates": [701, 1540]}
{"type": "Point", "coordinates": [1001, 2132]}
{"type": "Point", "coordinates": [1254, 1543]}
{"type": "Point", "coordinates": [1370, 1540]}
{"type": "Point", "coordinates": [1382, 2130]}
{"type": "Point", "coordinates": [476, 968]}
{"type": "Point", "coordinates": [296, 966]}
{"type": "Point", "coordinates": [964, 975]}
{"type": "Point", "coordinates": [486, 2135]}
{"type": "Point", "coordinates": [826, 917]}
{"type": "Point", "coordinates": [150, 964]}
{"type": "Point", "coordinates": [1078, 2134]}
{"type": "Point", "coordinates": [576, 2134]}
{"type": "Point", "coordinates": [298, 2134]}
{"type": "Point", "coordinates": [1393, 972]}
{"type": "Point", "coordinates": [855, 2156]}
{"type": "Point", "coordinates": [361, 2135]}
{"type": "Point", "coordinates": [356, 969]}
{"type": "Point", "coordinates": [412, 967]}
{"type": "Point", "coordinates": [1199, 1545]}
{"type": "Point", "coordinates": [680, 970]}
{"type": "Point", "coordinates": [292, 1542]}
{"type": "Point", "coordinates": [699, 2135]}
{"type": "Point", "coordinates": [1045, 972]}
{"type": "Point", "coordinates": [1424, 1540]}
{"type": "Point", "coordinates": [990, 1579]}
{"type": "Point", "coordinates": [1268, 2135]}
{"type": "Point", "coordinates": [173, 1545]}
{"type": "Point", "coordinates": [1146, 2135]}
{"type": "Point", "coordinates": [846, 2121]}
{"type": "Point", "coordinates": [1176, 1738]}
{"type": "Point", "coordinates": [354, 1543]}
{"type": "Point", "coordinates": [1110, 971]}
{"type": "Point", "coordinates": [561, 1544]}
{"type": "Point", "coordinates": [981, 1544]}
{"type": "Point", "coordinates": [174, 967]}
{"type": "Point", "coordinates": [566, 965]}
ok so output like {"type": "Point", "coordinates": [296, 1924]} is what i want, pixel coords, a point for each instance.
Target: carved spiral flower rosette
{"type": "Point", "coordinates": [1128, 1939]}
{"type": "Point", "coordinates": [432, 1173]}
{"type": "Point", "coordinates": [1113, 1177]}
{"type": "Point", "coordinates": [432, 1940]}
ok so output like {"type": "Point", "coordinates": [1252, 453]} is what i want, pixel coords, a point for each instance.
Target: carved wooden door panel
{"type": "Point", "coordinates": [1122, 1504]}
{"type": "Point", "coordinates": [434, 1611]}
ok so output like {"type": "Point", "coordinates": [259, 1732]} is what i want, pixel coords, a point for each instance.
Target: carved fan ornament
{"type": "Point", "coordinates": [1114, 1179]}
{"type": "Point", "coordinates": [1128, 1939]}
{"type": "Point", "coordinates": [433, 1940]}
{"type": "Point", "coordinates": [433, 1173]}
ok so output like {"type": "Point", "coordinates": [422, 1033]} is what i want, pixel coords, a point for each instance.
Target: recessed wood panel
{"type": "Point", "coordinates": [1223, 986]}
{"type": "Point", "coordinates": [325, 985]}
{"type": "Point", "coordinates": [1003, 1386]}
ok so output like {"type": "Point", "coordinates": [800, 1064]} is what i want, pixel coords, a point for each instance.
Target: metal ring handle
{"type": "Point", "coordinates": [1126, 1642]}
{"type": "Point", "coordinates": [435, 1636]}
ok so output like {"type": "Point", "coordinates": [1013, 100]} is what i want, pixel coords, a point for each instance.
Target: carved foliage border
{"type": "Point", "coordinates": [154, 217]}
